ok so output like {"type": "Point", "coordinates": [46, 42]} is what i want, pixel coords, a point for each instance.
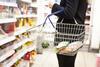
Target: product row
{"type": "Point", "coordinates": [12, 1]}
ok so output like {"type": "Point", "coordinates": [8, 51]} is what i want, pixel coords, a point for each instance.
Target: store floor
{"type": "Point", "coordinates": [49, 59]}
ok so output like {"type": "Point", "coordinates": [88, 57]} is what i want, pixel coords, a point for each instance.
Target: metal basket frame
{"type": "Point", "coordinates": [63, 32]}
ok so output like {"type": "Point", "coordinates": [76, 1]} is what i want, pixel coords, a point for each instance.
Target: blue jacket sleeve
{"type": "Point", "coordinates": [69, 8]}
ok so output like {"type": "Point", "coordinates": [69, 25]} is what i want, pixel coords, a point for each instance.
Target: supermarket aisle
{"type": "Point", "coordinates": [48, 59]}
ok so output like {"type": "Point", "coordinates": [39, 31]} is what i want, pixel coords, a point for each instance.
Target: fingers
{"type": "Point", "coordinates": [50, 4]}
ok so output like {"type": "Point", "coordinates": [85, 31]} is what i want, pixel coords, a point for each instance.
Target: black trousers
{"type": "Point", "coordinates": [66, 61]}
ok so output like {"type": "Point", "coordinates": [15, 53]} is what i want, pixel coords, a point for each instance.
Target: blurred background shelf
{"type": "Point", "coordinates": [6, 39]}
{"type": "Point", "coordinates": [8, 4]}
{"type": "Point", "coordinates": [26, 1]}
{"type": "Point", "coordinates": [8, 20]}
{"type": "Point", "coordinates": [21, 30]}
{"type": "Point", "coordinates": [34, 4]}
{"type": "Point", "coordinates": [26, 16]}
{"type": "Point", "coordinates": [17, 56]}
{"type": "Point", "coordinates": [15, 46]}
{"type": "Point", "coordinates": [6, 54]}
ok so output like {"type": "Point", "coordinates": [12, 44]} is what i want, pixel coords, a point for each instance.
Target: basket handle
{"type": "Point", "coordinates": [48, 17]}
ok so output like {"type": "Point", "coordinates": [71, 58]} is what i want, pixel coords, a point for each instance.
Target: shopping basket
{"type": "Point", "coordinates": [63, 32]}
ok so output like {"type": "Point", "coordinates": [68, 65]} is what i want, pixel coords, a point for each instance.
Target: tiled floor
{"type": "Point", "coordinates": [48, 59]}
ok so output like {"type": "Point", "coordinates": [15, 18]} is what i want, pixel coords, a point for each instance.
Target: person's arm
{"type": "Point", "coordinates": [68, 11]}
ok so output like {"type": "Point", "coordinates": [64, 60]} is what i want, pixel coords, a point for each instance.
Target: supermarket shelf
{"type": "Point", "coordinates": [25, 16]}
{"type": "Point", "coordinates": [34, 4]}
{"type": "Point", "coordinates": [17, 56]}
{"type": "Point", "coordinates": [8, 4]}
{"type": "Point", "coordinates": [26, 1]}
{"type": "Point", "coordinates": [6, 39]}
{"type": "Point", "coordinates": [21, 43]}
{"type": "Point", "coordinates": [32, 47]}
{"type": "Point", "coordinates": [8, 20]}
{"type": "Point", "coordinates": [21, 30]}
{"type": "Point", "coordinates": [5, 54]}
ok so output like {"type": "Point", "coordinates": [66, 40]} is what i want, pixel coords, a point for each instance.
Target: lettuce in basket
{"type": "Point", "coordinates": [61, 45]}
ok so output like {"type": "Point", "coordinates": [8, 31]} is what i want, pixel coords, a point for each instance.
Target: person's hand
{"type": "Point", "coordinates": [50, 3]}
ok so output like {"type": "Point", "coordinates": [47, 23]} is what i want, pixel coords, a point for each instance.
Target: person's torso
{"type": "Point", "coordinates": [80, 12]}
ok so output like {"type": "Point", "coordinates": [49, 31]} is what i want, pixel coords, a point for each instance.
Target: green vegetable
{"type": "Point", "coordinates": [45, 44]}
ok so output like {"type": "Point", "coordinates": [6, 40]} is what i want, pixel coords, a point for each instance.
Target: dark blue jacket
{"type": "Point", "coordinates": [72, 8]}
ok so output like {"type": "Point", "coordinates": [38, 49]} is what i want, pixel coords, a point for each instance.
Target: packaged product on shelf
{"type": "Point", "coordinates": [20, 22]}
{"type": "Point", "coordinates": [12, 1]}
{"type": "Point", "coordinates": [27, 44]}
{"type": "Point", "coordinates": [33, 0]}
{"type": "Point", "coordinates": [23, 7]}
{"type": "Point", "coordinates": [34, 10]}
{"type": "Point", "coordinates": [25, 35]}
{"type": "Point", "coordinates": [6, 45]}
{"type": "Point", "coordinates": [30, 21]}
{"type": "Point", "coordinates": [30, 11]}
{"type": "Point", "coordinates": [27, 56]}
{"type": "Point", "coordinates": [18, 38]}
{"type": "Point", "coordinates": [17, 63]}
{"type": "Point", "coordinates": [33, 55]}
{"type": "Point", "coordinates": [11, 12]}
{"type": "Point", "coordinates": [16, 11]}
{"type": "Point", "coordinates": [1, 10]}
{"type": "Point", "coordinates": [2, 32]}
{"type": "Point", "coordinates": [34, 21]}
{"type": "Point", "coordinates": [25, 22]}
{"type": "Point", "coordinates": [8, 27]}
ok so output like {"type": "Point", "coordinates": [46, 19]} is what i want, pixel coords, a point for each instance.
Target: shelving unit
{"type": "Point", "coordinates": [6, 54]}
{"type": "Point", "coordinates": [8, 20]}
{"type": "Point", "coordinates": [26, 1]}
{"type": "Point", "coordinates": [7, 39]}
{"type": "Point", "coordinates": [34, 4]}
{"type": "Point", "coordinates": [26, 16]}
{"type": "Point", "coordinates": [17, 56]}
{"type": "Point", "coordinates": [15, 46]}
{"type": "Point", "coordinates": [21, 30]}
{"type": "Point", "coordinates": [9, 55]}
{"type": "Point", "coordinates": [8, 4]}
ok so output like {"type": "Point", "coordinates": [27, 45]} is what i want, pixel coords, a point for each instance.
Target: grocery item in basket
{"type": "Point", "coordinates": [65, 50]}
{"type": "Point", "coordinates": [45, 44]}
{"type": "Point", "coordinates": [62, 44]}
{"type": "Point", "coordinates": [74, 46]}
